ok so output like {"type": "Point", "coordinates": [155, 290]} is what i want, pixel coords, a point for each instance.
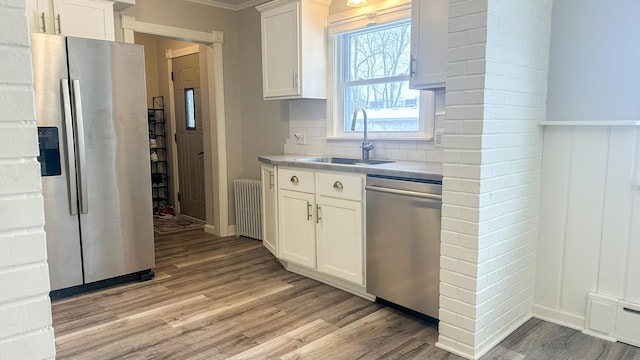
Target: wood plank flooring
{"type": "Point", "coordinates": [228, 298]}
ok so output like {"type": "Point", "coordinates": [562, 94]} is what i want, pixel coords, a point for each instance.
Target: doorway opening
{"type": "Point", "coordinates": [173, 75]}
{"type": "Point", "coordinates": [214, 124]}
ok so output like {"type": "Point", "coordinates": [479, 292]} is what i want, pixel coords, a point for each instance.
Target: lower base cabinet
{"type": "Point", "coordinates": [269, 209]}
{"type": "Point", "coordinates": [320, 222]}
{"type": "Point", "coordinates": [339, 238]}
{"type": "Point", "coordinates": [296, 227]}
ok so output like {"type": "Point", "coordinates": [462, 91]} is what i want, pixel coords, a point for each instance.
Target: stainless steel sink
{"type": "Point", "coordinates": [344, 161]}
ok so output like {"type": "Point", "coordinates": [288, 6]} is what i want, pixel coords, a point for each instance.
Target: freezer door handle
{"type": "Point", "coordinates": [82, 170]}
{"type": "Point", "coordinates": [68, 135]}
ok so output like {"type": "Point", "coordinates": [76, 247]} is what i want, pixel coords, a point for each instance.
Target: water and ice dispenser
{"type": "Point", "coordinates": [49, 157]}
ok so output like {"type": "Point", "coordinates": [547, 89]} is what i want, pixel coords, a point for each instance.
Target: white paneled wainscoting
{"type": "Point", "coordinates": [588, 268]}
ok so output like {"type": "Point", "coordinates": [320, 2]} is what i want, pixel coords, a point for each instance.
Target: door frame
{"type": "Point", "coordinates": [217, 221]}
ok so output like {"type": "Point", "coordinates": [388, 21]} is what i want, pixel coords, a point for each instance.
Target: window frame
{"type": "Point", "coordinates": [353, 21]}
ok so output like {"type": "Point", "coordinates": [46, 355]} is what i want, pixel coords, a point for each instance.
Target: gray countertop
{"type": "Point", "coordinates": [408, 169]}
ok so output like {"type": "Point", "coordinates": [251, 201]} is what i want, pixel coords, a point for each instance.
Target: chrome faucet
{"type": "Point", "coordinates": [366, 145]}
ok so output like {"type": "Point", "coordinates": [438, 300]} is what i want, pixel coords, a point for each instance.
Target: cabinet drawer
{"type": "Point", "coordinates": [339, 186]}
{"type": "Point", "coordinates": [296, 180]}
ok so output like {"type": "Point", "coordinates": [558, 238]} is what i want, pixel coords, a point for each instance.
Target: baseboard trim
{"type": "Point", "coordinates": [329, 280]}
{"type": "Point", "coordinates": [483, 349]}
{"type": "Point", "coordinates": [490, 344]}
{"type": "Point", "coordinates": [454, 351]}
{"type": "Point", "coordinates": [210, 229]}
{"type": "Point", "coordinates": [599, 335]}
{"type": "Point", "coordinates": [559, 317]}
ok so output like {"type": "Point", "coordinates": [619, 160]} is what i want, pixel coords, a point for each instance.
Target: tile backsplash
{"type": "Point", "coordinates": [309, 117]}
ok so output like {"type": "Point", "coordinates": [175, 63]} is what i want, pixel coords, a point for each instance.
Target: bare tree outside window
{"type": "Point", "coordinates": [376, 77]}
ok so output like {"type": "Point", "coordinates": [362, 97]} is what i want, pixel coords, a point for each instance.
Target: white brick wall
{"type": "Point", "coordinates": [496, 86]}
{"type": "Point", "coordinates": [309, 116]}
{"type": "Point", "coordinates": [25, 309]}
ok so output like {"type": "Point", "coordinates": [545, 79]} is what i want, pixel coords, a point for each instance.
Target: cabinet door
{"type": "Point", "coordinates": [429, 33]}
{"type": "Point", "coordinates": [269, 210]}
{"type": "Point", "coordinates": [339, 237]}
{"type": "Point", "coordinates": [280, 55]}
{"type": "Point", "coordinates": [296, 227]}
{"type": "Point", "coordinates": [84, 18]}
{"type": "Point", "coordinates": [40, 20]}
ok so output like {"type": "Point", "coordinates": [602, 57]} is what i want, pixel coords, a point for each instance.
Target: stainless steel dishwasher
{"type": "Point", "coordinates": [403, 242]}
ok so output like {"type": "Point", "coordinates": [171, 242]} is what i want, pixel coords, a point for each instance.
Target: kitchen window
{"type": "Point", "coordinates": [371, 65]}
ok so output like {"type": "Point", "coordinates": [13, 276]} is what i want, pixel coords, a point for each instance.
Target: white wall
{"type": "Point", "coordinates": [25, 309]}
{"type": "Point", "coordinates": [496, 86]}
{"type": "Point", "coordinates": [150, 65]}
{"type": "Point", "coordinates": [594, 47]}
{"type": "Point", "coordinates": [265, 123]}
{"type": "Point", "coordinates": [589, 215]}
{"type": "Point", "coordinates": [589, 220]}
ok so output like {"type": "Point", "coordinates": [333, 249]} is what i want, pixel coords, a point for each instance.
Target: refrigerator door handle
{"type": "Point", "coordinates": [68, 134]}
{"type": "Point", "coordinates": [82, 170]}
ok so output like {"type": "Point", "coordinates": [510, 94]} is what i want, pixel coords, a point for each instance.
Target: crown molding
{"type": "Point", "coordinates": [218, 4]}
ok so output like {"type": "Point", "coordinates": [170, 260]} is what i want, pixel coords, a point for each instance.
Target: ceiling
{"type": "Point", "coordinates": [230, 4]}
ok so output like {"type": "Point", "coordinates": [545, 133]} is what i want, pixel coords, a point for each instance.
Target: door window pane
{"type": "Point", "coordinates": [190, 108]}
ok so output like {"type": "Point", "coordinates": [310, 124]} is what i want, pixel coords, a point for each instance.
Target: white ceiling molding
{"type": "Point", "coordinates": [223, 5]}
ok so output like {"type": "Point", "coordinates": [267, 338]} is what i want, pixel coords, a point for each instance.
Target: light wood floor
{"type": "Point", "coordinates": [228, 298]}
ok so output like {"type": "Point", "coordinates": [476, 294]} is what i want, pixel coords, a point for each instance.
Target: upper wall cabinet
{"type": "Point", "coordinates": [294, 49]}
{"type": "Point", "coordinates": [429, 33]}
{"type": "Point", "coordinates": [81, 18]}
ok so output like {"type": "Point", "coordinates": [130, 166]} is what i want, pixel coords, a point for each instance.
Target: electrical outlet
{"type": "Point", "coordinates": [300, 138]}
{"type": "Point", "coordinates": [437, 137]}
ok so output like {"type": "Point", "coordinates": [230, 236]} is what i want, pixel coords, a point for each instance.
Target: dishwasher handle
{"type": "Point", "coordinates": [403, 192]}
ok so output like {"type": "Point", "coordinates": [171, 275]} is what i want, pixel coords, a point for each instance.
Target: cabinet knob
{"type": "Point", "coordinates": [338, 185]}
{"type": "Point", "coordinates": [294, 179]}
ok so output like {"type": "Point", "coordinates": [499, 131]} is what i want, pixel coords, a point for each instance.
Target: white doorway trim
{"type": "Point", "coordinates": [214, 41]}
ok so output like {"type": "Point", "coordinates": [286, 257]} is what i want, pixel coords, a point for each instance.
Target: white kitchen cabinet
{"type": "Point", "coordinates": [339, 234]}
{"type": "Point", "coordinates": [269, 209]}
{"type": "Point", "coordinates": [296, 227]}
{"type": "Point", "coordinates": [429, 39]}
{"type": "Point", "coordinates": [81, 18]}
{"type": "Point", "coordinates": [320, 221]}
{"type": "Point", "coordinates": [294, 48]}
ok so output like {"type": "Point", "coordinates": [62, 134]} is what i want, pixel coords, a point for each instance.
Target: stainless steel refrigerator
{"type": "Point", "coordinates": [94, 156]}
